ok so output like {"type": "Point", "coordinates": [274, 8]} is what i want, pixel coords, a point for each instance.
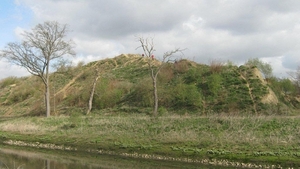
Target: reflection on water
{"type": "Point", "coordinates": [20, 159]}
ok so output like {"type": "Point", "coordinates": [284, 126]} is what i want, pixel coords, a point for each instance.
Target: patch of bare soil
{"type": "Point", "coordinates": [270, 98]}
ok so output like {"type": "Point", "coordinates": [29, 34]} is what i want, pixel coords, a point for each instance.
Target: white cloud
{"type": "Point", "coordinates": [193, 24]}
{"type": "Point", "coordinates": [278, 69]}
{"type": "Point", "coordinates": [18, 32]}
{"type": "Point", "coordinates": [219, 29]}
{"type": "Point", "coordinates": [8, 70]}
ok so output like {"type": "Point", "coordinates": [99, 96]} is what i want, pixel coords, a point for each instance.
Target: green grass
{"type": "Point", "coordinates": [184, 86]}
{"type": "Point", "coordinates": [260, 138]}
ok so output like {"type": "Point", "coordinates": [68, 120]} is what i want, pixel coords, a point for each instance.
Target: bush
{"type": "Point", "coordinates": [22, 92]}
{"type": "Point", "coordinates": [110, 92]}
{"type": "Point", "coordinates": [162, 111]}
{"type": "Point", "coordinates": [181, 66]}
{"type": "Point", "coordinates": [19, 96]}
{"type": "Point", "coordinates": [8, 81]}
{"type": "Point", "coordinates": [214, 84]}
{"type": "Point", "coordinates": [166, 74]}
{"type": "Point", "coordinates": [142, 94]}
{"type": "Point", "coordinates": [186, 96]}
{"type": "Point", "coordinates": [78, 98]}
{"type": "Point", "coordinates": [193, 75]}
{"type": "Point", "coordinates": [287, 87]}
{"type": "Point", "coordinates": [216, 66]}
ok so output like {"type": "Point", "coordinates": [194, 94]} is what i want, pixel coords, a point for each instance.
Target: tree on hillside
{"type": "Point", "coordinates": [287, 86]}
{"type": "Point", "coordinates": [148, 47]}
{"type": "Point", "coordinates": [90, 105]}
{"type": "Point", "coordinates": [44, 43]}
{"type": "Point", "coordinates": [296, 77]}
{"type": "Point", "coordinates": [265, 68]}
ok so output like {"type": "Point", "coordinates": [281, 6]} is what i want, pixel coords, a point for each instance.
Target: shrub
{"type": "Point", "coordinates": [287, 86]}
{"type": "Point", "coordinates": [77, 98]}
{"type": "Point", "coordinates": [142, 93]}
{"type": "Point", "coordinates": [19, 96]}
{"type": "Point", "coordinates": [109, 92]}
{"type": "Point", "coordinates": [214, 84]}
{"type": "Point", "coordinates": [166, 74]}
{"type": "Point", "coordinates": [22, 92]}
{"type": "Point", "coordinates": [8, 81]}
{"type": "Point", "coordinates": [162, 111]}
{"type": "Point", "coordinates": [181, 66]}
{"type": "Point", "coordinates": [193, 75]}
{"type": "Point", "coordinates": [216, 66]}
{"type": "Point", "coordinates": [186, 96]}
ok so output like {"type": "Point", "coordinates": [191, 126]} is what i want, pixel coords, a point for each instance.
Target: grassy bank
{"type": "Point", "coordinates": [247, 139]}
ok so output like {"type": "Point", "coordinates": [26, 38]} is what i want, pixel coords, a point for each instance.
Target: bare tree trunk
{"type": "Point", "coordinates": [47, 98]}
{"type": "Point", "coordinates": [48, 164]}
{"type": "Point", "coordinates": [54, 109]}
{"type": "Point", "coordinates": [45, 80]}
{"type": "Point", "coordinates": [47, 90]}
{"type": "Point", "coordinates": [155, 95]}
{"type": "Point", "coordinates": [92, 95]}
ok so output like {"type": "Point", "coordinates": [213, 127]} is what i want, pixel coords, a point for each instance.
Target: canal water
{"type": "Point", "coordinates": [42, 159]}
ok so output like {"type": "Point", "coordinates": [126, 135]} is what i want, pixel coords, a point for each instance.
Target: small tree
{"type": "Point", "coordinates": [93, 92]}
{"type": "Point", "coordinates": [287, 86]}
{"type": "Point", "coordinates": [296, 77]}
{"type": "Point", "coordinates": [148, 47]}
{"type": "Point", "coordinates": [265, 68]}
{"type": "Point", "coordinates": [44, 43]}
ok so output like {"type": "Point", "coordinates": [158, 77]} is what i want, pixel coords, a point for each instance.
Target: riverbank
{"type": "Point", "coordinates": [244, 140]}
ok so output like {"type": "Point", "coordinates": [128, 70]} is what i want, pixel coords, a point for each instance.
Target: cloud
{"type": "Point", "coordinates": [277, 64]}
{"type": "Point", "coordinates": [97, 47]}
{"type": "Point", "coordinates": [8, 70]}
{"type": "Point", "coordinates": [291, 62]}
{"type": "Point", "coordinates": [111, 19]}
{"type": "Point", "coordinates": [221, 29]}
{"type": "Point", "coordinates": [18, 33]}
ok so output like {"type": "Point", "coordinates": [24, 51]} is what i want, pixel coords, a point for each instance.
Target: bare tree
{"type": "Point", "coordinates": [148, 47]}
{"type": "Point", "coordinates": [90, 105]}
{"type": "Point", "coordinates": [44, 43]}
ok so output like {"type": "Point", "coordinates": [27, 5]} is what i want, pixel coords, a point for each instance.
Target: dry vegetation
{"type": "Point", "coordinates": [261, 132]}
{"type": "Point", "coordinates": [183, 86]}
{"type": "Point", "coordinates": [206, 111]}
{"type": "Point", "coordinates": [261, 138]}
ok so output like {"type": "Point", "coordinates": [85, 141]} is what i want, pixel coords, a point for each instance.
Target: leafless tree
{"type": "Point", "coordinates": [154, 66]}
{"type": "Point", "coordinates": [44, 43]}
{"type": "Point", "coordinates": [90, 105]}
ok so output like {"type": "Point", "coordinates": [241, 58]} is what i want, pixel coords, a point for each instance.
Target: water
{"type": "Point", "coordinates": [44, 159]}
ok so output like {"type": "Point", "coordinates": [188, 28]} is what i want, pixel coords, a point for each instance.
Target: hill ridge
{"type": "Point", "coordinates": [125, 83]}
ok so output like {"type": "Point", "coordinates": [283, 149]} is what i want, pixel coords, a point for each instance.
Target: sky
{"type": "Point", "coordinates": [208, 30]}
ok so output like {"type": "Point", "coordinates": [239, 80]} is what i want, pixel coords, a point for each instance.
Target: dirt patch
{"type": "Point", "coordinates": [270, 98]}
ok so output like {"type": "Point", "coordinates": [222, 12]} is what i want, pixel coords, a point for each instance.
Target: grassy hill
{"type": "Point", "coordinates": [125, 86]}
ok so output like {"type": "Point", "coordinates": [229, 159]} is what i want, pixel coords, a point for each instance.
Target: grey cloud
{"type": "Point", "coordinates": [246, 17]}
{"type": "Point", "coordinates": [291, 62]}
{"type": "Point", "coordinates": [233, 30]}
{"type": "Point", "coordinates": [113, 19]}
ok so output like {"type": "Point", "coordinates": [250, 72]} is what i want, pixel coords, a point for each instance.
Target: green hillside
{"type": "Point", "coordinates": [125, 86]}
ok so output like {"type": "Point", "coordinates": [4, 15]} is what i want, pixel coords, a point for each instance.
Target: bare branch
{"type": "Point", "coordinates": [43, 43]}
{"type": "Point", "coordinates": [148, 47]}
